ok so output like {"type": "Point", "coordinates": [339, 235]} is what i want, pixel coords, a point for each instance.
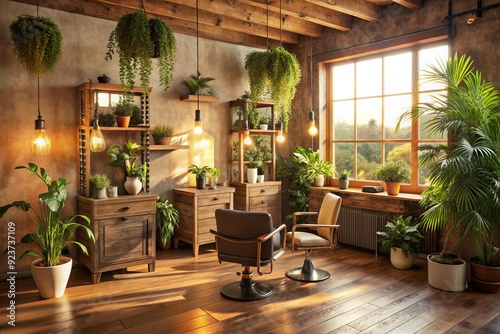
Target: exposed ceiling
{"type": "Point", "coordinates": [254, 23]}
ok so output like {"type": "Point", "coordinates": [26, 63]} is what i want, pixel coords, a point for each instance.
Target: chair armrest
{"type": "Point", "coordinates": [308, 213]}
{"type": "Point", "coordinates": [314, 226]}
{"type": "Point", "coordinates": [266, 237]}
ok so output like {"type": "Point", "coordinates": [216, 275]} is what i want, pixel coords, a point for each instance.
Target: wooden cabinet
{"type": "Point", "coordinates": [197, 213]}
{"type": "Point", "coordinates": [124, 230]}
{"type": "Point", "coordinates": [259, 197]}
{"type": "Point", "coordinates": [88, 95]}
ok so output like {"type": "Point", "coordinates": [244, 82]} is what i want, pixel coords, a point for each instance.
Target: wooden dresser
{"type": "Point", "coordinates": [197, 213]}
{"type": "Point", "coordinates": [259, 197]}
{"type": "Point", "coordinates": [124, 229]}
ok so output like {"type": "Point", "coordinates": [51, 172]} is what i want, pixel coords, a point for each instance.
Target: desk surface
{"type": "Point", "coordinates": [352, 190]}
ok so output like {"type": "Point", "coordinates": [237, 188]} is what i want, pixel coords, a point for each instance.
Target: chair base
{"type": "Point", "coordinates": [307, 273]}
{"type": "Point", "coordinates": [247, 290]}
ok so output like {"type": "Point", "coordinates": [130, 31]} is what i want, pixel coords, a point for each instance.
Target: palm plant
{"type": "Point", "coordinates": [464, 191]}
{"type": "Point", "coordinates": [52, 232]}
{"type": "Point", "coordinates": [198, 85]}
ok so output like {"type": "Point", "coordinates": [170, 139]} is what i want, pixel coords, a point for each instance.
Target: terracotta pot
{"type": "Point", "coordinates": [447, 277]}
{"type": "Point", "coordinates": [123, 121]}
{"type": "Point", "coordinates": [162, 140]}
{"type": "Point", "coordinates": [132, 185]}
{"type": "Point", "coordinates": [392, 188]}
{"type": "Point", "coordinates": [51, 281]}
{"type": "Point", "coordinates": [399, 260]}
{"type": "Point", "coordinates": [485, 278]}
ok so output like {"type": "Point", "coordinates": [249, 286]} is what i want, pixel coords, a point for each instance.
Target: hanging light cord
{"type": "Point", "coordinates": [311, 75]}
{"type": "Point", "coordinates": [267, 24]}
{"type": "Point", "coordinates": [197, 60]}
{"type": "Point", "coordinates": [281, 31]}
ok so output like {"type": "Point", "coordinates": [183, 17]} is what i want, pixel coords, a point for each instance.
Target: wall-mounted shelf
{"type": "Point", "coordinates": [168, 147]}
{"type": "Point", "coordinates": [203, 99]}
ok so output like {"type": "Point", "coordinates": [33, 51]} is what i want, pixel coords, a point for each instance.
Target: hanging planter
{"type": "Point", "coordinates": [276, 73]}
{"type": "Point", "coordinates": [137, 40]}
{"type": "Point", "coordinates": [37, 44]}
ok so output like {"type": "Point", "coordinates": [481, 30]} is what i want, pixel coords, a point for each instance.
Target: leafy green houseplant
{"type": "Point", "coordinates": [162, 134]}
{"type": "Point", "coordinates": [136, 40]}
{"type": "Point", "coordinates": [214, 177]}
{"type": "Point", "coordinates": [127, 157]}
{"type": "Point", "coordinates": [198, 85]}
{"type": "Point", "coordinates": [201, 173]}
{"type": "Point", "coordinates": [37, 43]}
{"type": "Point", "coordinates": [275, 72]}
{"type": "Point", "coordinates": [98, 185]}
{"type": "Point", "coordinates": [125, 109]}
{"type": "Point", "coordinates": [316, 168]}
{"type": "Point", "coordinates": [344, 179]}
{"type": "Point", "coordinates": [52, 231]}
{"type": "Point", "coordinates": [464, 177]}
{"type": "Point", "coordinates": [107, 119]}
{"type": "Point", "coordinates": [167, 219]}
{"type": "Point", "coordinates": [393, 173]}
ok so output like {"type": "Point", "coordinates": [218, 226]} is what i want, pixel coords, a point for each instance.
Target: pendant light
{"type": "Point", "coordinates": [40, 142]}
{"type": "Point", "coordinates": [97, 143]}
{"type": "Point", "coordinates": [197, 120]}
{"type": "Point", "coordinates": [313, 130]}
{"type": "Point", "coordinates": [280, 138]}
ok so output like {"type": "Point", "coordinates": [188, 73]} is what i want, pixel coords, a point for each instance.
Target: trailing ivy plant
{"type": "Point", "coordinates": [137, 40]}
{"type": "Point", "coordinates": [275, 72]}
{"type": "Point", "coordinates": [37, 43]}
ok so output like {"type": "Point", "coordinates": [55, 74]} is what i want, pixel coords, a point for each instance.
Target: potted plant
{"type": "Point", "coordinates": [393, 173]}
{"type": "Point", "coordinates": [264, 122]}
{"type": "Point", "coordinates": [162, 134]}
{"type": "Point", "coordinates": [260, 173]}
{"type": "Point", "coordinates": [107, 119]}
{"type": "Point", "coordinates": [201, 175]}
{"type": "Point", "coordinates": [344, 179]}
{"type": "Point", "coordinates": [126, 157]}
{"type": "Point", "coordinates": [252, 171]}
{"type": "Point", "coordinates": [403, 240]}
{"type": "Point", "coordinates": [464, 175]}
{"type": "Point", "coordinates": [37, 44]}
{"type": "Point", "coordinates": [124, 109]}
{"type": "Point", "coordinates": [214, 177]}
{"type": "Point", "coordinates": [317, 169]}
{"type": "Point", "coordinates": [276, 72]}
{"type": "Point", "coordinates": [198, 85]}
{"type": "Point", "coordinates": [167, 219]}
{"type": "Point", "coordinates": [52, 233]}
{"type": "Point", "coordinates": [137, 40]}
{"type": "Point", "coordinates": [98, 185]}
{"type": "Point", "coordinates": [103, 79]}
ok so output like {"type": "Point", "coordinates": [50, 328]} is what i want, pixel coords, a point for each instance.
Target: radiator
{"type": "Point", "coordinates": [358, 227]}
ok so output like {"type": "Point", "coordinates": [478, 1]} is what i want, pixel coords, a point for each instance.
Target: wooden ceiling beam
{"type": "Point", "coordinates": [361, 9]}
{"type": "Point", "coordinates": [306, 11]}
{"type": "Point", "coordinates": [412, 4]}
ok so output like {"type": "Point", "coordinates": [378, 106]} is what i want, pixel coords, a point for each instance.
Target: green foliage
{"type": "Point", "coordinates": [125, 106]}
{"type": "Point", "coordinates": [200, 172]}
{"type": "Point", "coordinates": [400, 233]}
{"type": "Point", "coordinates": [254, 164]}
{"type": "Point", "coordinates": [260, 170]}
{"type": "Point", "coordinates": [260, 151]}
{"type": "Point", "coordinates": [126, 157]}
{"type": "Point", "coordinates": [137, 39]}
{"type": "Point", "coordinates": [198, 85]}
{"type": "Point", "coordinates": [162, 130]}
{"type": "Point", "coordinates": [295, 181]}
{"type": "Point", "coordinates": [314, 165]}
{"type": "Point", "coordinates": [214, 172]}
{"type": "Point", "coordinates": [52, 232]}
{"type": "Point", "coordinates": [167, 219]}
{"type": "Point", "coordinates": [464, 176]}
{"type": "Point", "coordinates": [275, 72]}
{"type": "Point", "coordinates": [344, 174]}
{"type": "Point", "coordinates": [107, 119]}
{"type": "Point", "coordinates": [393, 171]}
{"type": "Point", "coordinates": [37, 44]}
{"type": "Point", "coordinates": [99, 181]}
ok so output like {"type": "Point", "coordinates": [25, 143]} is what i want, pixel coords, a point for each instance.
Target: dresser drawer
{"type": "Point", "coordinates": [125, 208]}
{"type": "Point", "coordinates": [258, 203]}
{"type": "Point", "coordinates": [264, 190]}
{"type": "Point", "coordinates": [215, 199]}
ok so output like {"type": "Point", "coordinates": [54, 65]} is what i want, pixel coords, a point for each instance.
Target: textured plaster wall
{"type": "Point", "coordinates": [84, 47]}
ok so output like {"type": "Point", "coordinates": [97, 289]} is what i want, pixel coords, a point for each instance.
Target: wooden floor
{"type": "Point", "coordinates": [364, 295]}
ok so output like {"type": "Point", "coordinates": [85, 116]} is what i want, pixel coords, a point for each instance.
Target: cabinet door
{"type": "Point", "coordinates": [124, 239]}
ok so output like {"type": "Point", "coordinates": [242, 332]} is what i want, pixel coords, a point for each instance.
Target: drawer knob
{"type": "Point", "coordinates": [263, 190]}
{"type": "Point", "coordinates": [264, 202]}
{"type": "Point", "coordinates": [216, 198]}
{"type": "Point", "coordinates": [125, 208]}
{"type": "Point", "coordinates": [124, 218]}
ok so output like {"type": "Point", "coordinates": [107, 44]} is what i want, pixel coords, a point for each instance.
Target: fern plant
{"type": "Point", "coordinates": [198, 85]}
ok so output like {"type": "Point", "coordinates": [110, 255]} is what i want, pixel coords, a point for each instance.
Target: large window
{"type": "Point", "coordinates": [367, 97]}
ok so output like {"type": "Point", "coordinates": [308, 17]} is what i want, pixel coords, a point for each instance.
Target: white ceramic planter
{"type": "Point", "coordinates": [319, 181]}
{"type": "Point", "coordinates": [399, 260]}
{"type": "Point", "coordinates": [51, 281]}
{"type": "Point", "coordinates": [343, 184]}
{"type": "Point", "coordinates": [252, 175]}
{"type": "Point", "coordinates": [260, 178]}
{"type": "Point", "coordinates": [132, 185]}
{"type": "Point", "coordinates": [447, 277]}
